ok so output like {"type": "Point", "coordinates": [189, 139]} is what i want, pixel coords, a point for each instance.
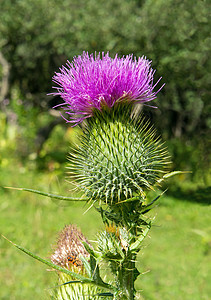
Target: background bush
{"type": "Point", "coordinates": [36, 37]}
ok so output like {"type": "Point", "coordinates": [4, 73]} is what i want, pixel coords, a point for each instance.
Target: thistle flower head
{"type": "Point", "coordinates": [92, 82]}
{"type": "Point", "coordinates": [67, 254]}
{"type": "Point", "coordinates": [69, 248]}
{"type": "Point", "coordinates": [118, 158]}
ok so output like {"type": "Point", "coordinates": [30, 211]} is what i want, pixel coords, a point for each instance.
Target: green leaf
{"type": "Point", "coordinates": [50, 264]}
{"type": "Point", "coordinates": [149, 206]}
{"type": "Point", "coordinates": [168, 175]}
{"type": "Point", "coordinates": [79, 277]}
{"type": "Point", "coordinates": [95, 271]}
{"type": "Point", "coordinates": [94, 258]}
{"type": "Point", "coordinates": [86, 265]}
{"type": "Point", "coordinates": [90, 250]}
{"type": "Point", "coordinates": [136, 198]}
{"type": "Point", "coordinates": [136, 245]}
{"type": "Point", "coordinates": [68, 282]}
{"type": "Point", "coordinates": [58, 197]}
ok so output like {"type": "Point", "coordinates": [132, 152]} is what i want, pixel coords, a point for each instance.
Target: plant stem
{"type": "Point", "coordinates": [126, 278]}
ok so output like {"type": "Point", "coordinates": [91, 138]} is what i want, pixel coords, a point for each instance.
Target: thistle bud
{"type": "Point", "coordinates": [118, 157]}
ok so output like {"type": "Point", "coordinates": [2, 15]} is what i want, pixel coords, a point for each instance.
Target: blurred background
{"type": "Point", "coordinates": [36, 38]}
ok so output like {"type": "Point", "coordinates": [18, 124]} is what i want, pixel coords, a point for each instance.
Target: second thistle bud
{"type": "Point", "coordinates": [68, 254]}
{"type": "Point", "coordinates": [69, 249]}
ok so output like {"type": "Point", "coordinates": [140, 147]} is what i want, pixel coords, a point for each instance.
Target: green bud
{"type": "Point", "coordinates": [68, 290]}
{"type": "Point", "coordinates": [119, 157]}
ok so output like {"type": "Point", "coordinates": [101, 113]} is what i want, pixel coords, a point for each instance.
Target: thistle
{"type": "Point", "coordinates": [119, 157]}
{"type": "Point", "coordinates": [70, 254]}
{"type": "Point", "coordinates": [70, 248]}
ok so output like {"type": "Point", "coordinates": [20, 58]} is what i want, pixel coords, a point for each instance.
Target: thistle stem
{"type": "Point", "coordinates": [126, 278]}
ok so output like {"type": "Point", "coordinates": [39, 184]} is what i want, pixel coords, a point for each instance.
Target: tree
{"type": "Point", "coordinates": [176, 38]}
{"type": "Point", "coordinates": [36, 37]}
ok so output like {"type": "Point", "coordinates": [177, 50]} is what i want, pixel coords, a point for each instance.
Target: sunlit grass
{"type": "Point", "coordinates": [177, 254]}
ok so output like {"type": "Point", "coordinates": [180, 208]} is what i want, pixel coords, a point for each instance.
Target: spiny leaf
{"type": "Point", "coordinates": [58, 197]}
{"type": "Point", "coordinates": [95, 271]}
{"type": "Point", "coordinates": [168, 175]}
{"type": "Point", "coordinates": [91, 251]}
{"type": "Point", "coordinates": [50, 264]}
{"type": "Point", "coordinates": [136, 245]}
{"type": "Point", "coordinates": [68, 282]}
{"type": "Point", "coordinates": [149, 206]}
{"type": "Point", "coordinates": [86, 265]}
{"type": "Point", "coordinates": [79, 277]}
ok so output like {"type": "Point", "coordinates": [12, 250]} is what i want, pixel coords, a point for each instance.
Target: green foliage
{"type": "Point", "coordinates": [176, 38]}
{"type": "Point", "coordinates": [175, 246]}
{"type": "Point", "coordinates": [26, 39]}
{"type": "Point", "coordinates": [38, 36]}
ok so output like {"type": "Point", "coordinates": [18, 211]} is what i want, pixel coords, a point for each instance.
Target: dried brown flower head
{"type": "Point", "coordinates": [70, 248]}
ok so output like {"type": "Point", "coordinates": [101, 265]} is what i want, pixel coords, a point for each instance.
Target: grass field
{"type": "Point", "coordinates": [175, 259]}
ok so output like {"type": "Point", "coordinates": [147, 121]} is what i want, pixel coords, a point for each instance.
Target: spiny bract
{"type": "Point", "coordinates": [118, 158]}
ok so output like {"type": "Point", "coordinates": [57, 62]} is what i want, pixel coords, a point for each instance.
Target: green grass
{"type": "Point", "coordinates": [176, 257]}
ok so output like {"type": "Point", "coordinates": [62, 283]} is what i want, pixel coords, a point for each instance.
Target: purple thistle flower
{"type": "Point", "coordinates": [91, 82]}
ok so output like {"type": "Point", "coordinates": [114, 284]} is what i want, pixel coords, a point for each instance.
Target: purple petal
{"type": "Point", "coordinates": [92, 81]}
